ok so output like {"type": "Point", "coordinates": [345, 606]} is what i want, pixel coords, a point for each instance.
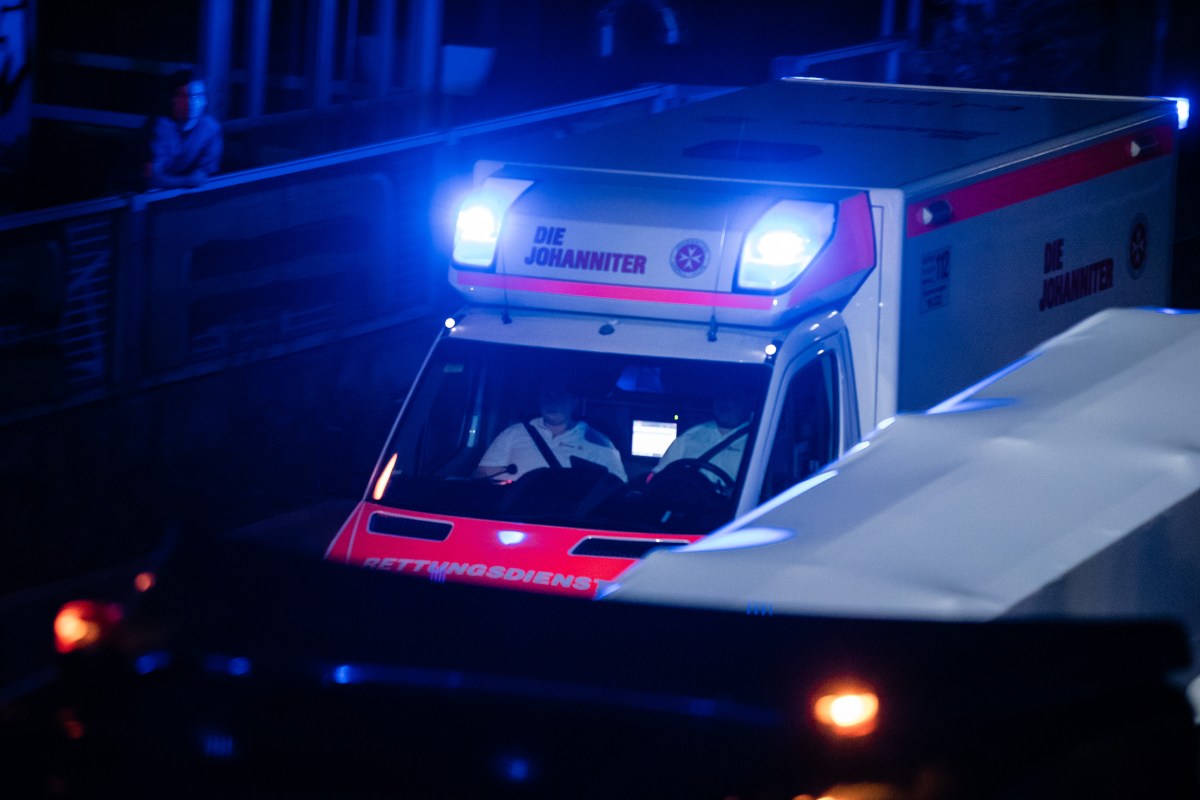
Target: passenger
{"type": "Point", "coordinates": [731, 412]}
{"type": "Point", "coordinates": [184, 146]}
{"type": "Point", "coordinates": [514, 452]}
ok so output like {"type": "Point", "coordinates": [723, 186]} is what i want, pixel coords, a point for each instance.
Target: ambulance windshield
{"type": "Point", "coordinates": [638, 443]}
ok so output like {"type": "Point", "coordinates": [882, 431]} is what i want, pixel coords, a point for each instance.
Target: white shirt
{"type": "Point", "coordinates": [695, 442]}
{"type": "Point", "coordinates": [513, 446]}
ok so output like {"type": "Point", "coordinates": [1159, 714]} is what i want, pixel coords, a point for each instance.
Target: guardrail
{"type": "Point", "coordinates": [123, 293]}
{"type": "Point", "coordinates": [875, 60]}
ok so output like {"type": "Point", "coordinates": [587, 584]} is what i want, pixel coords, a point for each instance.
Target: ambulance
{"type": "Point", "coordinates": [823, 255]}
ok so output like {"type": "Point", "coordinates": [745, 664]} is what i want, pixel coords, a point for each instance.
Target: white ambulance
{"type": "Point", "coordinates": [763, 276]}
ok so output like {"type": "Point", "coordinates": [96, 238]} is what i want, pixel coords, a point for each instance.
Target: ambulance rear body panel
{"type": "Point", "coordinates": [947, 232]}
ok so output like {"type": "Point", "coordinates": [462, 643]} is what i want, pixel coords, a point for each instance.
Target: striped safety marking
{"type": "Point", "coordinates": [1039, 179]}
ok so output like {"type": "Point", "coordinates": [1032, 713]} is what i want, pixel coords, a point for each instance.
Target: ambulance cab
{"type": "Point", "coordinates": [464, 490]}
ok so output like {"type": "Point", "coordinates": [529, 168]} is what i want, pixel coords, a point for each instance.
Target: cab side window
{"type": "Point", "coordinates": [807, 436]}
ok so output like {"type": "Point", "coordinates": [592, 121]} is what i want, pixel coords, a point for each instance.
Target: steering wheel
{"type": "Point", "coordinates": [692, 470]}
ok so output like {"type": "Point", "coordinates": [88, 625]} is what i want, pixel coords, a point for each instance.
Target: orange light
{"type": "Point", "coordinates": [144, 581]}
{"type": "Point", "coordinates": [848, 712]}
{"type": "Point", "coordinates": [83, 623]}
{"type": "Point", "coordinates": [384, 477]}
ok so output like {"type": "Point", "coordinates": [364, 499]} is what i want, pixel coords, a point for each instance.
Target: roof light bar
{"type": "Point", "coordinates": [783, 243]}
{"type": "Point", "coordinates": [480, 219]}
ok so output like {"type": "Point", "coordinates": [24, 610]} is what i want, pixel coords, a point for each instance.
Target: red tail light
{"type": "Point", "coordinates": [84, 623]}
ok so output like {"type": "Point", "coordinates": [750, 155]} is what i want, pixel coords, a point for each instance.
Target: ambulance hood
{"type": "Point", "coordinates": [1067, 484]}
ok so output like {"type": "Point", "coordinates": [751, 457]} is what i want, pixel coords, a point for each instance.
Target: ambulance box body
{"type": "Point", "coordinates": [827, 254]}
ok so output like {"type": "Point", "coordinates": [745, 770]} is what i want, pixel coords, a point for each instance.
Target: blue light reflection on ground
{"type": "Point", "coordinates": [423, 677]}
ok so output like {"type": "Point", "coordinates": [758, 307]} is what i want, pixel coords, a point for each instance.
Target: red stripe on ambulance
{"type": "Point", "coordinates": [1024, 184]}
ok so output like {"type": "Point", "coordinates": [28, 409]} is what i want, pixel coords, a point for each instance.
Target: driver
{"type": "Point", "coordinates": [731, 412]}
{"type": "Point", "coordinates": [513, 453]}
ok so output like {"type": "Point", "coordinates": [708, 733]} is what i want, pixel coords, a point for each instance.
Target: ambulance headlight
{"type": "Point", "coordinates": [783, 243]}
{"type": "Point", "coordinates": [480, 217]}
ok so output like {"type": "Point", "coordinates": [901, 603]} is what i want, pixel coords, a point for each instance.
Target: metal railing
{"type": "Point", "coordinates": [123, 293]}
{"type": "Point", "coordinates": [875, 60]}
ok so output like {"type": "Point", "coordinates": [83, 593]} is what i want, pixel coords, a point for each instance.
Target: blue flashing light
{"type": "Point", "coordinates": [480, 219]}
{"type": "Point", "coordinates": [516, 769]}
{"type": "Point", "coordinates": [1183, 109]}
{"type": "Point", "coordinates": [478, 223]}
{"type": "Point", "coordinates": [151, 662]}
{"type": "Point", "coordinates": [1174, 311]}
{"type": "Point", "coordinates": [217, 745]}
{"type": "Point", "coordinates": [237, 666]}
{"type": "Point", "coordinates": [781, 245]}
{"type": "Point", "coordinates": [760, 608]}
{"type": "Point", "coordinates": [476, 234]}
{"type": "Point", "coordinates": [510, 537]}
{"type": "Point", "coordinates": [344, 674]}
{"type": "Point", "coordinates": [779, 248]}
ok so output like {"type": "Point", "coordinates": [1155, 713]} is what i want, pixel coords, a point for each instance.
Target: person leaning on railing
{"type": "Point", "coordinates": [179, 148]}
{"type": "Point", "coordinates": [184, 145]}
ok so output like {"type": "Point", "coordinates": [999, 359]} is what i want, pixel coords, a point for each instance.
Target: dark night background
{"type": "Point", "coordinates": [96, 478]}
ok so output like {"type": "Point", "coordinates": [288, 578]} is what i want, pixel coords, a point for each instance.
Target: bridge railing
{"type": "Point", "coordinates": [878, 60]}
{"type": "Point", "coordinates": [122, 293]}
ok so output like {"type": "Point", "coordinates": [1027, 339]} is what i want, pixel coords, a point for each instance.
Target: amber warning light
{"type": "Point", "coordinates": [847, 712]}
{"type": "Point", "coordinates": [84, 623]}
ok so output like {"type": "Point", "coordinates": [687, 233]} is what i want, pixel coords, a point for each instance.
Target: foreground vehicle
{"type": "Point", "coordinates": [323, 681]}
{"type": "Point", "coordinates": [817, 651]}
{"type": "Point", "coordinates": [836, 252]}
{"type": "Point", "coordinates": [1065, 486]}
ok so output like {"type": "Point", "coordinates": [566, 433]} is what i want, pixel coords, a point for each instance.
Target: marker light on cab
{"type": "Point", "coordinates": [783, 243]}
{"type": "Point", "coordinates": [480, 218]}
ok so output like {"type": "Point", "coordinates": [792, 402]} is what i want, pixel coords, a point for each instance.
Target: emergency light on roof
{"type": "Point", "coordinates": [1183, 108]}
{"type": "Point", "coordinates": [783, 243]}
{"type": "Point", "coordinates": [480, 217]}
